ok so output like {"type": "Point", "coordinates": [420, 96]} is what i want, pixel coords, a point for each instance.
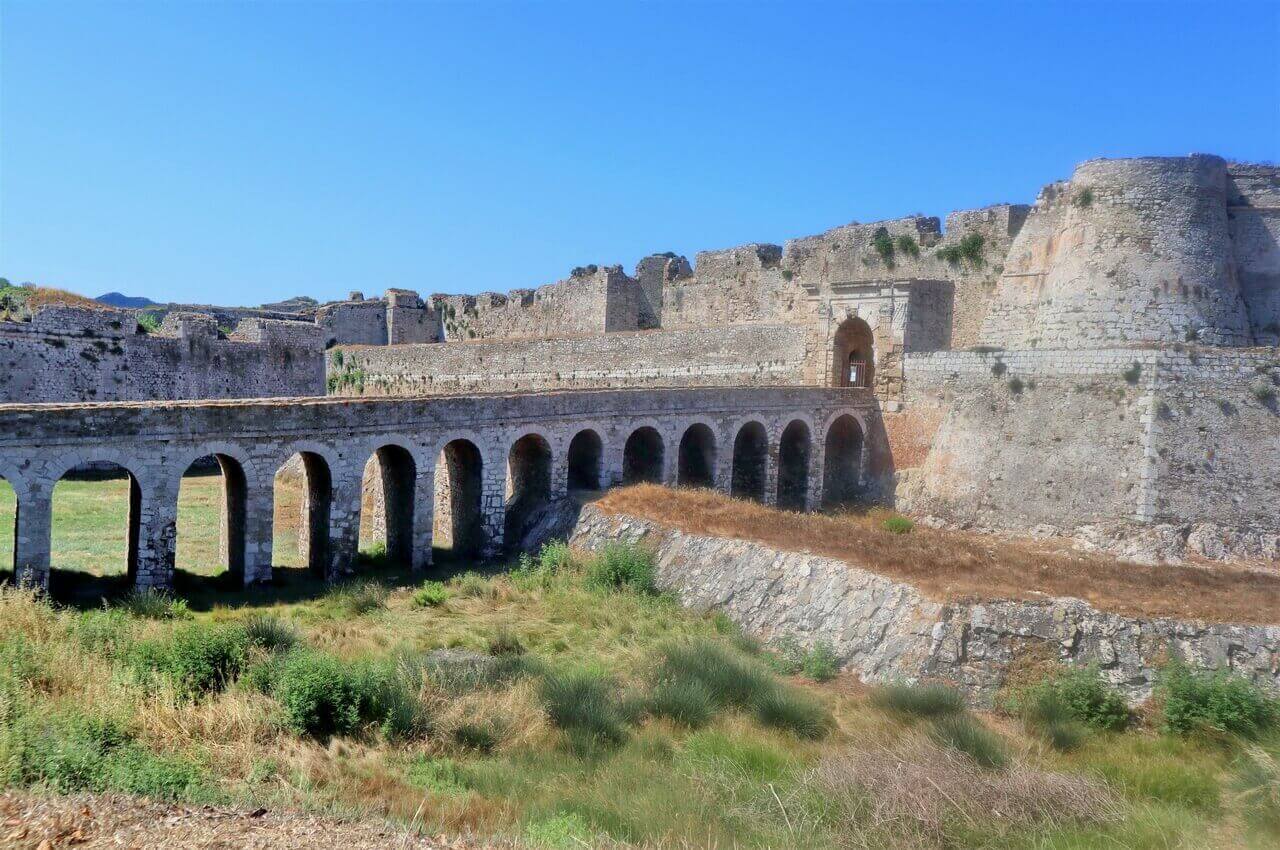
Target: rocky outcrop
{"type": "Point", "coordinates": [887, 630]}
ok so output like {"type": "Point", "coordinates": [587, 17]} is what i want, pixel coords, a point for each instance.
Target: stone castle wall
{"type": "Point", "coordinates": [1135, 251]}
{"type": "Point", "coordinates": [753, 355]}
{"type": "Point", "coordinates": [68, 354]}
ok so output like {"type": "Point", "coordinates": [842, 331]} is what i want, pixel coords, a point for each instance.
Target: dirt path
{"type": "Point", "coordinates": [33, 822]}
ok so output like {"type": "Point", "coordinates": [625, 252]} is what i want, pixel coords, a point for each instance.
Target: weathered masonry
{"type": "Point", "coordinates": [451, 469]}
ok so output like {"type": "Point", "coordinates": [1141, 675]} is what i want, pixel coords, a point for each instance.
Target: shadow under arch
{"type": "Point", "coordinates": [643, 456]}
{"type": "Point", "coordinates": [696, 465]}
{"type": "Point", "coordinates": [750, 462]}
{"type": "Point", "coordinates": [795, 447]}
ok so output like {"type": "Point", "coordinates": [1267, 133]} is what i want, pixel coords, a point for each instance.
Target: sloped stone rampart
{"type": "Point", "coordinates": [886, 630]}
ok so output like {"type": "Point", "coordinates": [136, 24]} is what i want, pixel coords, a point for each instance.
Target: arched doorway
{"type": "Point", "coordinates": [212, 498]}
{"type": "Point", "coordinates": [585, 453]}
{"type": "Point", "coordinates": [458, 518]}
{"type": "Point", "coordinates": [750, 462]}
{"type": "Point", "coordinates": [528, 487]}
{"type": "Point", "coordinates": [96, 530]}
{"type": "Point", "coordinates": [793, 466]}
{"type": "Point", "coordinates": [303, 495]}
{"type": "Point", "coordinates": [642, 457]}
{"type": "Point", "coordinates": [843, 467]}
{"type": "Point", "coordinates": [387, 506]}
{"type": "Point", "coordinates": [697, 458]}
{"type": "Point", "coordinates": [854, 357]}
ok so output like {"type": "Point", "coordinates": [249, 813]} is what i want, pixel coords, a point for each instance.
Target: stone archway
{"type": "Point", "coordinates": [853, 360]}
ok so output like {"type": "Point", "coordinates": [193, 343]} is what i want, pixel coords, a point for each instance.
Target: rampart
{"type": "Point", "coordinates": [67, 354]}
{"type": "Point", "coordinates": [745, 355]}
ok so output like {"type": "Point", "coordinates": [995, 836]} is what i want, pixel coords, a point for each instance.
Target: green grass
{"type": "Point", "coordinates": [575, 714]}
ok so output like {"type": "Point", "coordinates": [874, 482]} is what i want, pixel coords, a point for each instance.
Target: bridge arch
{"type": "Point", "coordinates": [388, 497]}
{"type": "Point", "coordinates": [229, 551]}
{"type": "Point", "coordinates": [459, 528]}
{"type": "Point", "coordinates": [795, 447]}
{"type": "Point", "coordinates": [696, 460]}
{"type": "Point", "coordinates": [585, 461]}
{"type": "Point", "coordinates": [529, 485]}
{"type": "Point", "coordinates": [643, 456]}
{"type": "Point", "coordinates": [77, 541]}
{"type": "Point", "coordinates": [842, 460]}
{"type": "Point", "coordinates": [750, 462]}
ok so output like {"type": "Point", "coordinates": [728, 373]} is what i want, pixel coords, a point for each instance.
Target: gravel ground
{"type": "Point", "coordinates": [35, 822]}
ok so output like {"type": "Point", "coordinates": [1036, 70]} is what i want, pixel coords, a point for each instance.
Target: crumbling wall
{"type": "Point", "coordinates": [744, 355]}
{"type": "Point", "coordinates": [67, 354]}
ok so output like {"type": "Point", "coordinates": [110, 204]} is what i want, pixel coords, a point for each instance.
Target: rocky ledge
{"type": "Point", "coordinates": [886, 630]}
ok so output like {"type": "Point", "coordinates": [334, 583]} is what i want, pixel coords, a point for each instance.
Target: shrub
{"type": "Point", "coordinates": [375, 556]}
{"type": "Point", "coordinates": [317, 696]}
{"type": "Point", "coordinates": [148, 322]}
{"type": "Point", "coordinates": [472, 585]}
{"type": "Point", "coordinates": [897, 525]}
{"type": "Point", "coordinates": [783, 708]}
{"type": "Point", "coordinates": [586, 704]}
{"type": "Point", "coordinates": [263, 675]}
{"type": "Point", "coordinates": [432, 594]}
{"type": "Point", "coordinates": [687, 702]}
{"type": "Point", "coordinates": [968, 249]}
{"type": "Point", "coordinates": [1193, 701]}
{"type": "Point", "coordinates": [154, 605]}
{"type": "Point", "coordinates": [359, 598]}
{"type": "Point", "coordinates": [385, 699]}
{"type": "Point", "coordinates": [919, 700]}
{"type": "Point", "coordinates": [623, 566]}
{"type": "Point", "coordinates": [820, 663]}
{"type": "Point", "coordinates": [202, 659]}
{"type": "Point", "coordinates": [908, 245]}
{"type": "Point", "coordinates": [1133, 374]}
{"type": "Point", "coordinates": [269, 632]}
{"type": "Point", "coordinates": [108, 631]}
{"type": "Point", "coordinates": [1078, 695]}
{"type": "Point", "coordinates": [1015, 385]}
{"type": "Point", "coordinates": [966, 735]}
{"type": "Point", "coordinates": [1263, 391]}
{"type": "Point", "coordinates": [786, 656]}
{"type": "Point", "coordinates": [1083, 198]}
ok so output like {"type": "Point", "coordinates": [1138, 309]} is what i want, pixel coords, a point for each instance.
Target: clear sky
{"type": "Point", "coordinates": [236, 153]}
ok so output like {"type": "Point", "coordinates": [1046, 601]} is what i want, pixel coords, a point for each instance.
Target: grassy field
{"type": "Point", "coordinates": [590, 712]}
{"type": "Point", "coordinates": [577, 707]}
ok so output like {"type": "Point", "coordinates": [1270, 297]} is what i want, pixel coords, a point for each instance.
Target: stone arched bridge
{"type": "Point", "coordinates": [464, 470]}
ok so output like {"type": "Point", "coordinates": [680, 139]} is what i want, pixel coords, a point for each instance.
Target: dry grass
{"type": "Point", "coordinates": [950, 565]}
{"type": "Point", "coordinates": [915, 790]}
{"type": "Point", "coordinates": [47, 296]}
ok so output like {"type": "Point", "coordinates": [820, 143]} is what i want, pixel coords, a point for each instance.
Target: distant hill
{"type": "Point", "coordinates": [116, 299]}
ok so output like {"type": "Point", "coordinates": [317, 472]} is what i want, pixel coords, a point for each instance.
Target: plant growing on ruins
{"type": "Point", "coordinates": [908, 245]}
{"type": "Point", "coordinates": [883, 243]}
{"type": "Point", "coordinates": [1075, 695]}
{"type": "Point", "coordinates": [969, 249]}
{"type": "Point", "coordinates": [337, 357]}
{"type": "Point", "coordinates": [622, 566]}
{"type": "Point", "coordinates": [148, 323]}
{"type": "Point", "coordinates": [432, 594]}
{"type": "Point", "coordinates": [820, 662]}
{"type": "Point", "coordinates": [1083, 198]}
{"type": "Point", "coordinates": [1133, 374]}
{"type": "Point", "coordinates": [1263, 390]}
{"type": "Point", "coordinates": [1015, 385]}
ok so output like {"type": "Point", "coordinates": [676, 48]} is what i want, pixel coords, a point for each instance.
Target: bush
{"type": "Point", "coordinates": [1133, 374]}
{"type": "Point", "coordinates": [783, 708]}
{"type": "Point", "coordinates": [623, 566]}
{"type": "Point", "coordinates": [201, 659]}
{"type": "Point", "coordinates": [586, 704]}
{"type": "Point", "coordinates": [1079, 695]}
{"type": "Point", "coordinates": [820, 663]}
{"type": "Point", "coordinates": [1083, 199]}
{"type": "Point", "coordinates": [1193, 701]}
{"type": "Point", "coordinates": [919, 700]}
{"type": "Point", "coordinates": [149, 322]}
{"type": "Point", "coordinates": [359, 598]}
{"type": "Point", "coordinates": [908, 245]}
{"type": "Point", "coordinates": [108, 631]}
{"type": "Point", "coordinates": [269, 632]}
{"type": "Point", "coordinates": [786, 656]}
{"type": "Point", "coordinates": [897, 525]}
{"type": "Point", "coordinates": [154, 605]}
{"type": "Point", "coordinates": [432, 594]}
{"type": "Point", "coordinates": [882, 242]}
{"type": "Point", "coordinates": [318, 696]}
{"type": "Point", "coordinates": [968, 249]}
{"type": "Point", "coordinates": [686, 702]}
{"type": "Point", "coordinates": [472, 585]}
{"type": "Point", "coordinates": [964, 734]}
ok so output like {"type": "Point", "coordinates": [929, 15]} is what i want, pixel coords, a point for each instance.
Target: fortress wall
{"type": "Point", "coordinates": [1127, 251]}
{"type": "Point", "coordinates": [591, 301]}
{"type": "Point", "coordinates": [1253, 220]}
{"type": "Point", "coordinates": [354, 322]}
{"type": "Point", "coordinates": [1070, 438]}
{"type": "Point", "coordinates": [77, 354]}
{"type": "Point", "coordinates": [740, 355]}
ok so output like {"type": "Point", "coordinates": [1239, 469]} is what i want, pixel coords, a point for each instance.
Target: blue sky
{"type": "Point", "coordinates": [237, 153]}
